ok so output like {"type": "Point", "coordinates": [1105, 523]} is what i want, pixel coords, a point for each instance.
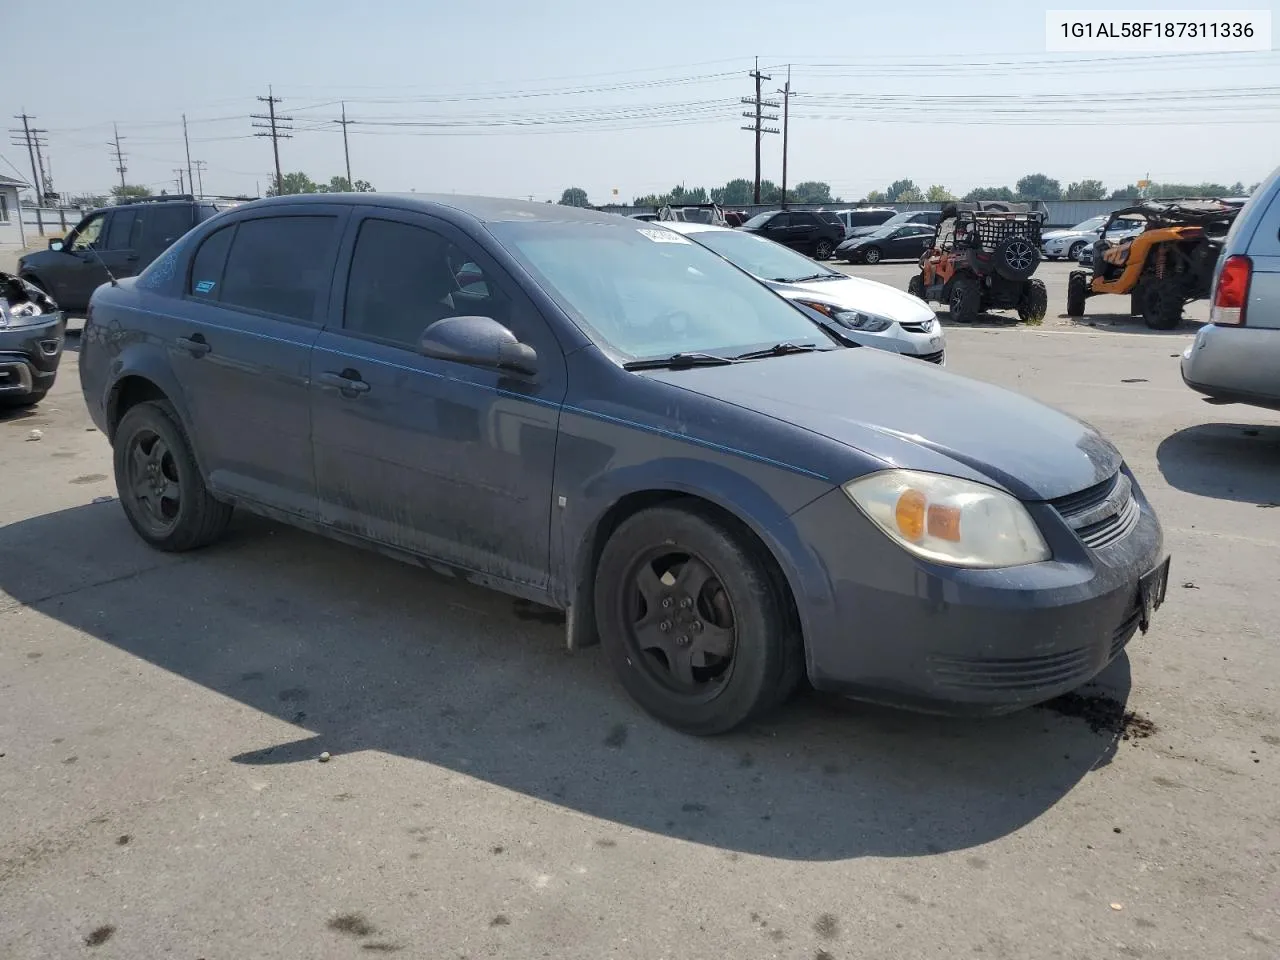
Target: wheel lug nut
{"type": "Point", "coordinates": [696, 626]}
{"type": "Point", "coordinates": [683, 640]}
{"type": "Point", "coordinates": [686, 603]}
{"type": "Point", "coordinates": [666, 602]}
{"type": "Point", "coordinates": [664, 626]}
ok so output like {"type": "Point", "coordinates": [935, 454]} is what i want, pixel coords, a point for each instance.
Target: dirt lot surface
{"type": "Point", "coordinates": [491, 796]}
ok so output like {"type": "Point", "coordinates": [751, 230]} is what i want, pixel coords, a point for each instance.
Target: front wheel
{"type": "Point", "coordinates": [871, 255]}
{"type": "Point", "coordinates": [915, 286]}
{"type": "Point", "coordinates": [964, 299]}
{"type": "Point", "coordinates": [160, 486]}
{"type": "Point", "coordinates": [694, 625]}
{"type": "Point", "coordinates": [1034, 302]}
{"type": "Point", "coordinates": [1074, 253]}
{"type": "Point", "coordinates": [823, 250]}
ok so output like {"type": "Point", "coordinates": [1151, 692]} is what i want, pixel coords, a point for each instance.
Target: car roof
{"type": "Point", "coordinates": [483, 209]}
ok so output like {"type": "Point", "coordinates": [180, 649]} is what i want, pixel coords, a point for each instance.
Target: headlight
{"type": "Point", "coordinates": [949, 520]}
{"type": "Point", "coordinates": [23, 315]}
{"type": "Point", "coordinates": [853, 319]}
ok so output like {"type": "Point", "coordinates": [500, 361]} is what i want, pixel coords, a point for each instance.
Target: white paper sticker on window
{"type": "Point", "coordinates": [664, 236]}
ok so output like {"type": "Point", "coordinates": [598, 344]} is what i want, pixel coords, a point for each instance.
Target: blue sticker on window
{"type": "Point", "coordinates": [204, 286]}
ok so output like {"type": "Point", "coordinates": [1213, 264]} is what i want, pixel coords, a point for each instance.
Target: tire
{"type": "Point", "coordinates": [152, 453]}
{"type": "Point", "coordinates": [1162, 306]}
{"type": "Point", "coordinates": [871, 255]}
{"type": "Point", "coordinates": [1077, 293]}
{"type": "Point", "coordinates": [1016, 258]}
{"type": "Point", "coordinates": [1073, 252]}
{"type": "Point", "coordinates": [24, 401]}
{"type": "Point", "coordinates": [823, 250]}
{"type": "Point", "coordinates": [1034, 302]}
{"type": "Point", "coordinates": [915, 286]}
{"type": "Point", "coordinates": [964, 301]}
{"type": "Point", "coordinates": [732, 599]}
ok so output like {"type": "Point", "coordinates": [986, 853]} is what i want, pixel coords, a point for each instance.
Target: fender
{"type": "Point", "coordinates": [144, 359]}
{"type": "Point", "coordinates": [576, 525]}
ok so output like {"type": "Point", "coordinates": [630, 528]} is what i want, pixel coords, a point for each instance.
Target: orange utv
{"type": "Point", "coordinates": [1164, 267]}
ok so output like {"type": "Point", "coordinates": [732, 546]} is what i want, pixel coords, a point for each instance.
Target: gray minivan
{"type": "Point", "coordinates": [1236, 356]}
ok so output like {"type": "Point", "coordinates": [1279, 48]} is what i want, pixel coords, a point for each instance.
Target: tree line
{"type": "Point", "coordinates": [1034, 186]}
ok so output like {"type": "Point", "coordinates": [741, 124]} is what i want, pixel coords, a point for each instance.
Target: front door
{"type": "Point", "coordinates": [257, 292]}
{"type": "Point", "coordinates": [74, 273]}
{"type": "Point", "coordinates": [437, 458]}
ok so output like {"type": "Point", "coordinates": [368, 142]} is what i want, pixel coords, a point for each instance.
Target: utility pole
{"type": "Point", "coordinates": [181, 186]}
{"type": "Point", "coordinates": [120, 167]}
{"type": "Point", "coordinates": [346, 151]}
{"type": "Point", "coordinates": [273, 127]}
{"type": "Point", "coordinates": [190, 179]}
{"type": "Point", "coordinates": [29, 139]}
{"type": "Point", "coordinates": [759, 117]}
{"type": "Point", "coordinates": [200, 165]}
{"type": "Point", "coordinates": [787, 94]}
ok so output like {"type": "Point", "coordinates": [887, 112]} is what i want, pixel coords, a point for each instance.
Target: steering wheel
{"type": "Point", "coordinates": [677, 321]}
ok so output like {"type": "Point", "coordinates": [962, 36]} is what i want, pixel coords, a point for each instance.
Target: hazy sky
{"type": "Point", "coordinates": [520, 99]}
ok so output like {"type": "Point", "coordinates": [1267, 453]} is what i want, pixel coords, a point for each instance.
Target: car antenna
{"type": "Point", "coordinates": [110, 276]}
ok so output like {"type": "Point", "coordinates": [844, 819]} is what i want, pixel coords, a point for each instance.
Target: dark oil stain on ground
{"type": "Point", "coordinates": [823, 955]}
{"type": "Point", "coordinates": [978, 863]}
{"type": "Point", "coordinates": [294, 694]}
{"type": "Point", "coordinates": [694, 807]}
{"type": "Point", "coordinates": [1103, 714]}
{"type": "Point", "coordinates": [536, 613]}
{"type": "Point", "coordinates": [100, 936]}
{"type": "Point", "coordinates": [89, 478]}
{"type": "Point", "coordinates": [617, 736]}
{"type": "Point", "coordinates": [123, 840]}
{"type": "Point", "coordinates": [498, 849]}
{"type": "Point", "coordinates": [251, 675]}
{"type": "Point", "coordinates": [353, 925]}
{"type": "Point", "coordinates": [827, 926]}
{"type": "Point", "coordinates": [71, 760]}
{"type": "Point", "coordinates": [606, 843]}
{"type": "Point", "coordinates": [500, 921]}
{"type": "Point", "coordinates": [1166, 782]}
{"type": "Point", "coordinates": [1271, 738]}
{"type": "Point", "coordinates": [34, 655]}
{"type": "Point", "coordinates": [382, 947]}
{"type": "Point", "coordinates": [777, 936]}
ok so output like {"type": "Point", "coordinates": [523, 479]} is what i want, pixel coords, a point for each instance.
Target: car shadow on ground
{"type": "Point", "coordinates": [1126, 323]}
{"type": "Point", "coordinates": [365, 653]}
{"type": "Point", "coordinates": [1228, 461]}
{"type": "Point", "coordinates": [996, 320]}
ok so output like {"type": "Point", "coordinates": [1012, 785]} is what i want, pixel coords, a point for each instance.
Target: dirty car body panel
{"type": "Point", "coordinates": [510, 478]}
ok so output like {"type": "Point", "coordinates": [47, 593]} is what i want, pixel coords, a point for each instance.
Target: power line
{"type": "Point", "coordinates": [759, 117]}
{"type": "Point", "coordinates": [275, 129]}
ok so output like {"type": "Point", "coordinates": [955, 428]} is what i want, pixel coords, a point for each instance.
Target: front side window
{"type": "Point", "coordinates": [279, 265]}
{"type": "Point", "coordinates": [88, 234]}
{"type": "Point", "coordinates": [650, 292]}
{"type": "Point", "coordinates": [405, 277]}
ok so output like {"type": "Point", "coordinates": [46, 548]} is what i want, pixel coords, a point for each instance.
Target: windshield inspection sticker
{"type": "Point", "coordinates": [205, 286]}
{"type": "Point", "coordinates": [664, 236]}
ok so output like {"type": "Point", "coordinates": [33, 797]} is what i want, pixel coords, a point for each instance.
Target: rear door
{"type": "Point", "coordinates": [257, 290]}
{"type": "Point", "coordinates": [156, 227]}
{"type": "Point", "coordinates": [805, 230]}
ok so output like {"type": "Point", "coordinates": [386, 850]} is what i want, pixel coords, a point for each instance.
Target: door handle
{"type": "Point", "coordinates": [348, 381]}
{"type": "Point", "coordinates": [194, 345]}
{"type": "Point", "coordinates": [132, 259]}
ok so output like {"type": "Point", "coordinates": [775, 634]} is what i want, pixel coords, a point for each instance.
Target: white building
{"type": "Point", "coordinates": [12, 234]}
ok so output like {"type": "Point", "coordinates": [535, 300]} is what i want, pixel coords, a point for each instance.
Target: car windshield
{"type": "Point", "coordinates": [759, 220]}
{"type": "Point", "coordinates": [648, 292]}
{"type": "Point", "coordinates": [1093, 223]}
{"type": "Point", "coordinates": [761, 257]}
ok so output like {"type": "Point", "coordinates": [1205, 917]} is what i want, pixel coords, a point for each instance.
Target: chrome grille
{"type": "Point", "coordinates": [931, 357]}
{"type": "Point", "coordinates": [1103, 514]}
{"type": "Point", "coordinates": [924, 326]}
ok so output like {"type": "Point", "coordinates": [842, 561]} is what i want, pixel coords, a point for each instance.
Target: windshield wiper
{"type": "Point", "coordinates": [816, 276]}
{"type": "Point", "coordinates": [679, 361]}
{"type": "Point", "coordinates": [778, 350]}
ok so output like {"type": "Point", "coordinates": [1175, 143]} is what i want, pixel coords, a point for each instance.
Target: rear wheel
{"type": "Point", "coordinates": [823, 250]}
{"type": "Point", "coordinates": [1077, 293]}
{"type": "Point", "coordinates": [1034, 302]}
{"type": "Point", "coordinates": [1074, 253]}
{"type": "Point", "coordinates": [915, 286]}
{"type": "Point", "coordinates": [694, 625]}
{"type": "Point", "coordinates": [1162, 306]}
{"type": "Point", "coordinates": [160, 486]}
{"type": "Point", "coordinates": [871, 255]}
{"type": "Point", "coordinates": [964, 299]}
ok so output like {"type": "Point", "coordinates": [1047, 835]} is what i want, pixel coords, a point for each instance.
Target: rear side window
{"type": "Point", "coordinates": [279, 265]}
{"type": "Point", "coordinates": [158, 226]}
{"type": "Point", "coordinates": [206, 267]}
{"type": "Point", "coordinates": [119, 227]}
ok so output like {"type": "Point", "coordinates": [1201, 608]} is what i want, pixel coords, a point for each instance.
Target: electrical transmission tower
{"type": "Point", "coordinates": [758, 117]}
{"type": "Point", "coordinates": [276, 128]}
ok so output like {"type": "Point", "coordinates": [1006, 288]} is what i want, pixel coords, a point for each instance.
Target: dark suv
{"type": "Point", "coordinates": [122, 239]}
{"type": "Point", "coordinates": [807, 232]}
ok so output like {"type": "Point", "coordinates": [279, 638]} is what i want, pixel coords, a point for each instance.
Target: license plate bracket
{"type": "Point", "coordinates": [1151, 593]}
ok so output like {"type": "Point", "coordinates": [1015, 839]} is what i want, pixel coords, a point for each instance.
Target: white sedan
{"type": "Point", "coordinates": [873, 314]}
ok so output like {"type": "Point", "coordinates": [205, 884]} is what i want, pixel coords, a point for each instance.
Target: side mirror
{"type": "Point", "coordinates": [478, 341]}
{"type": "Point", "coordinates": [55, 245]}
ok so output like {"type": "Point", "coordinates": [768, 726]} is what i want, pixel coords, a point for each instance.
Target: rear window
{"type": "Point", "coordinates": [119, 228]}
{"type": "Point", "coordinates": [279, 265]}
{"type": "Point", "coordinates": [206, 267]}
{"type": "Point", "coordinates": [158, 226]}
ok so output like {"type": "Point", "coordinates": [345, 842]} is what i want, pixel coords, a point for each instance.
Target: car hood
{"type": "Point", "coordinates": [1063, 235]}
{"type": "Point", "coordinates": [915, 415]}
{"type": "Point", "coordinates": [856, 238]}
{"type": "Point", "coordinates": [859, 294]}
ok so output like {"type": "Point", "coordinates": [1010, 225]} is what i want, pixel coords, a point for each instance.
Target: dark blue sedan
{"type": "Point", "coordinates": [598, 415]}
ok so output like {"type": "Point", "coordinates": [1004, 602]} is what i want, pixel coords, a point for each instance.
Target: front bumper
{"type": "Point", "coordinates": [29, 356]}
{"type": "Point", "coordinates": [1235, 365]}
{"type": "Point", "coordinates": [902, 631]}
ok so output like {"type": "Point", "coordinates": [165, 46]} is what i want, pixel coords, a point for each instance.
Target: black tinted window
{"type": "Point", "coordinates": [782, 220]}
{"type": "Point", "coordinates": [206, 268]}
{"type": "Point", "coordinates": [158, 226]}
{"type": "Point", "coordinates": [806, 220]}
{"type": "Point", "coordinates": [119, 226]}
{"type": "Point", "coordinates": [404, 278]}
{"type": "Point", "coordinates": [279, 265]}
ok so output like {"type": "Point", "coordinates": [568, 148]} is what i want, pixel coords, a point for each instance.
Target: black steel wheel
{"type": "Point", "coordinates": [159, 484]}
{"type": "Point", "coordinates": [823, 250]}
{"type": "Point", "coordinates": [964, 301]}
{"type": "Point", "coordinates": [693, 621]}
{"type": "Point", "coordinates": [1016, 258]}
{"type": "Point", "coordinates": [1162, 305]}
{"type": "Point", "coordinates": [871, 255]}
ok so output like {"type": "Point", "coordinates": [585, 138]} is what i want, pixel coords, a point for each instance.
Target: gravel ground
{"type": "Point", "coordinates": [489, 795]}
